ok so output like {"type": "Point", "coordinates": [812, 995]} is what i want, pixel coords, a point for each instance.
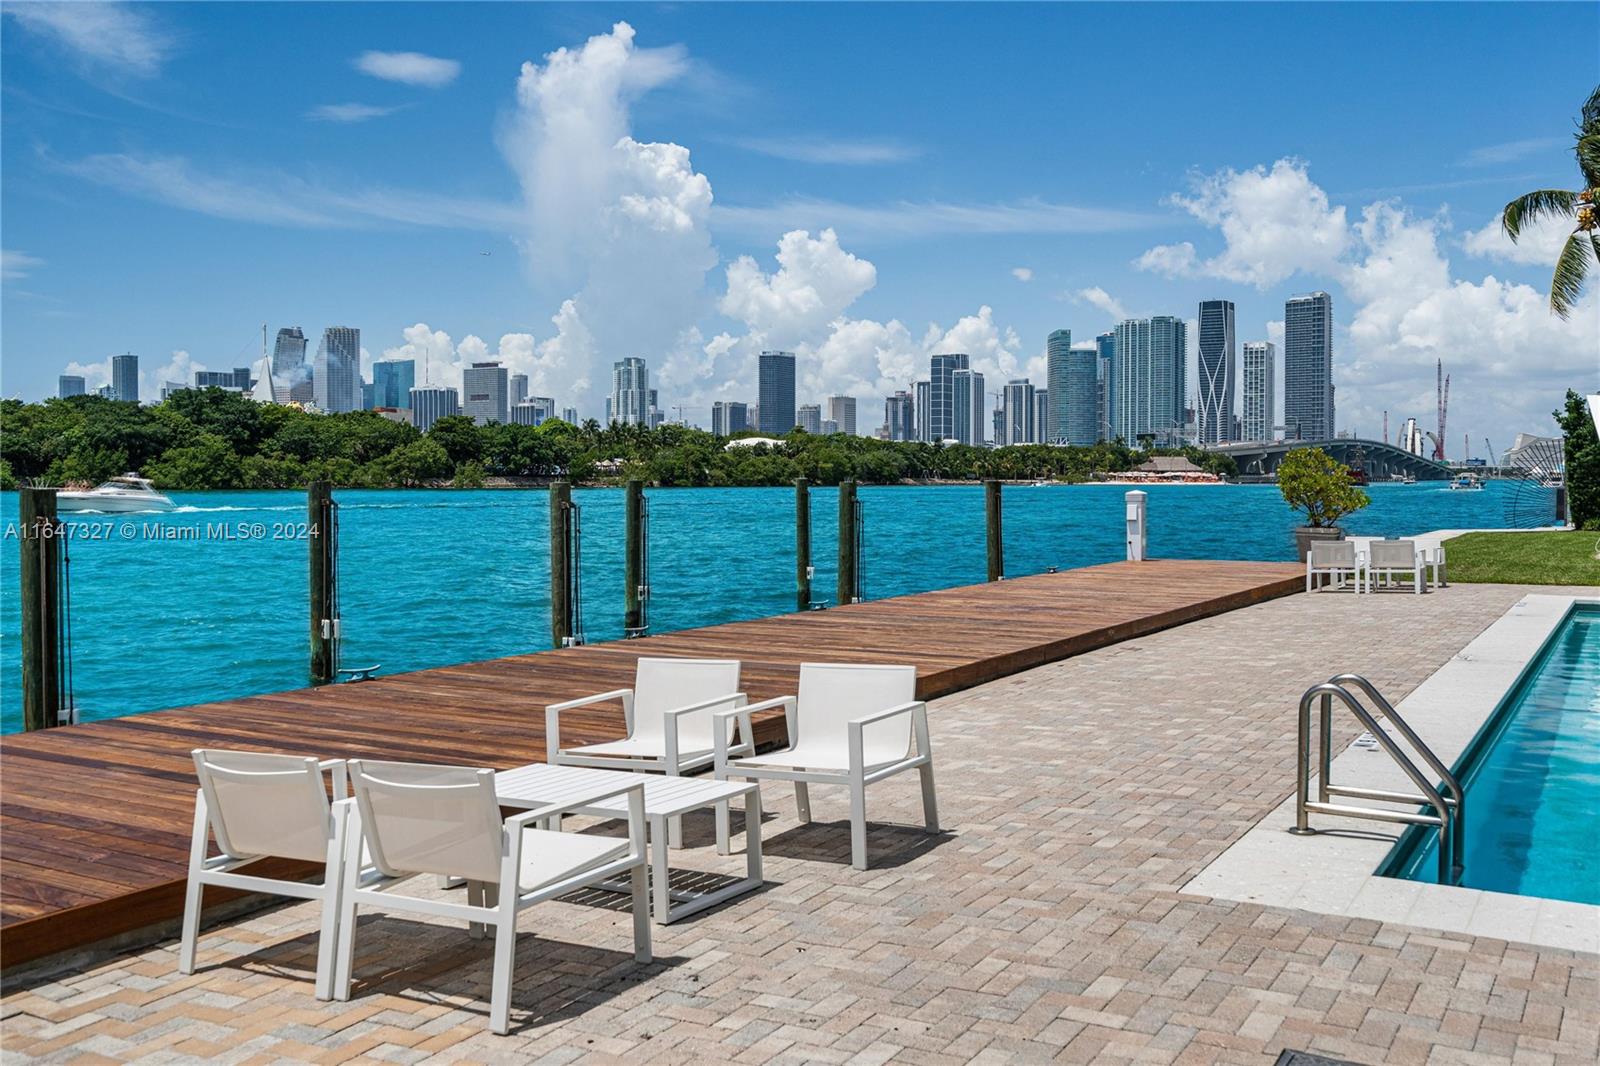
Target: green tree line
{"type": "Point", "coordinates": [215, 439]}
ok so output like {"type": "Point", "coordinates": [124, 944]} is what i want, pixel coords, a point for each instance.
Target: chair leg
{"type": "Point", "coordinates": [722, 828]}
{"type": "Point", "coordinates": [930, 802]}
{"type": "Point", "coordinates": [660, 873]}
{"type": "Point", "coordinates": [505, 958]}
{"type": "Point", "coordinates": [641, 911]}
{"type": "Point", "coordinates": [802, 800]}
{"type": "Point", "coordinates": [475, 930]}
{"type": "Point", "coordinates": [194, 893]}
{"type": "Point", "coordinates": [858, 824]}
{"type": "Point", "coordinates": [344, 955]}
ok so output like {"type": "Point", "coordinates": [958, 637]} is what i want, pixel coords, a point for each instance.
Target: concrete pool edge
{"type": "Point", "coordinates": [1334, 871]}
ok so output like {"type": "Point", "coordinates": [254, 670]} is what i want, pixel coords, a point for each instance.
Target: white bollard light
{"type": "Point", "coordinates": [1137, 537]}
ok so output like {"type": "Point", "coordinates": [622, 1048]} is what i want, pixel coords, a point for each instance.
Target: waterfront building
{"type": "Point", "coordinates": [653, 415]}
{"type": "Point", "coordinates": [969, 415]}
{"type": "Point", "coordinates": [922, 414]}
{"type": "Point", "coordinates": [125, 377]}
{"type": "Point", "coordinates": [519, 389]}
{"type": "Point", "coordinates": [1260, 382]}
{"type": "Point", "coordinates": [899, 416]}
{"type": "Point", "coordinates": [569, 415]}
{"type": "Point", "coordinates": [942, 417]}
{"type": "Point", "coordinates": [842, 412]}
{"type": "Point", "coordinates": [289, 355]}
{"type": "Point", "coordinates": [630, 400]}
{"type": "Point", "coordinates": [533, 411]}
{"type": "Point", "coordinates": [336, 372]}
{"type": "Point", "coordinates": [368, 396]}
{"type": "Point", "coordinates": [1016, 411]}
{"type": "Point", "coordinates": [997, 419]}
{"type": "Point", "coordinates": [167, 388]}
{"type": "Point", "coordinates": [1308, 366]}
{"type": "Point", "coordinates": [237, 379]}
{"type": "Point", "coordinates": [429, 403]}
{"type": "Point", "coordinates": [69, 385]}
{"type": "Point", "coordinates": [1056, 347]}
{"type": "Point", "coordinates": [1041, 416]}
{"type": "Point", "coordinates": [809, 418]}
{"type": "Point", "coordinates": [1106, 348]}
{"type": "Point", "coordinates": [485, 392]}
{"type": "Point", "coordinates": [1149, 370]}
{"type": "Point", "coordinates": [1214, 410]}
{"type": "Point", "coordinates": [829, 427]}
{"type": "Point", "coordinates": [729, 417]}
{"type": "Point", "coordinates": [775, 393]}
{"type": "Point", "coordinates": [1079, 410]}
{"type": "Point", "coordinates": [392, 381]}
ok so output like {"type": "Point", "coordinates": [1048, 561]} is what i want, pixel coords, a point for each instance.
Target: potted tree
{"type": "Point", "coordinates": [1313, 483]}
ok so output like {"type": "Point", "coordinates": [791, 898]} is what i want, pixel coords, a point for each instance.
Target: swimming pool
{"type": "Point", "coordinates": [1532, 781]}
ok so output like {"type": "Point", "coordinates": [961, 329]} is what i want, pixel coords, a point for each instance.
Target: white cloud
{"type": "Point", "coordinates": [409, 68]}
{"type": "Point", "coordinates": [1539, 244]}
{"type": "Point", "coordinates": [815, 281]}
{"type": "Point", "coordinates": [349, 112]}
{"type": "Point", "coordinates": [1510, 151]}
{"type": "Point", "coordinates": [1173, 260]}
{"type": "Point", "coordinates": [838, 151]}
{"type": "Point", "coordinates": [1022, 274]}
{"type": "Point", "coordinates": [15, 264]}
{"type": "Point", "coordinates": [907, 219]}
{"type": "Point", "coordinates": [1098, 297]}
{"type": "Point", "coordinates": [114, 36]}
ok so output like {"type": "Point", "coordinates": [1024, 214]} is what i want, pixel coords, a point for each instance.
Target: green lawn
{"type": "Point", "coordinates": [1545, 558]}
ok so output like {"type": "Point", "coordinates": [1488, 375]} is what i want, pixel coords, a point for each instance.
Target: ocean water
{"type": "Point", "coordinates": [430, 578]}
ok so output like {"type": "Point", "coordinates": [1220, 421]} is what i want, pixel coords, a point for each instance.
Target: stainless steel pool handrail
{"type": "Point", "coordinates": [1444, 816]}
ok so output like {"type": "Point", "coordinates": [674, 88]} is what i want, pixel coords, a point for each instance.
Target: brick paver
{"type": "Point", "coordinates": [1047, 923]}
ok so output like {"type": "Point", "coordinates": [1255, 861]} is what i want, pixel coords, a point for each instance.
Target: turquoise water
{"type": "Point", "coordinates": [430, 578]}
{"type": "Point", "coordinates": [1532, 781]}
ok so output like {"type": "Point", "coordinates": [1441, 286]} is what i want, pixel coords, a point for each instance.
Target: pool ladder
{"type": "Point", "coordinates": [1445, 810]}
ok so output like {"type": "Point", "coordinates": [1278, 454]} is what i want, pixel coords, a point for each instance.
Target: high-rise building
{"type": "Point", "coordinates": [1260, 383]}
{"type": "Point", "coordinates": [1106, 348]}
{"type": "Point", "coordinates": [429, 403]}
{"type": "Point", "coordinates": [1080, 411]}
{"type": "Point", "coordinates": [336, 373]}
{"type": "Point", "coordinates": [942, 418]}
{"type": "Point", "coordinates": [289, 355]}
{"type": "Point", "coordinates": [167, 389]}
{"type": "Point", "coordinates": [519, 389]}
{"type": "Point", "coordinates": [775, 393]}
{"type": "Point", "coordinates": [922, 415]}
{"type": "Point", "coordinates": [69, 385]}
{"type": "Point", "coordinates": [237, 379]}
{"type": "Point", "coordinates": [1149, 364]}
{"type": "Point", "coordinates": [809, 418]}
{"type": "Point", "coordinates": [569, 415]}
{"type": "Point", "coordinates": [899, 416]}
{"type": "Point", "coordinates": [1056, 347]}
{"type": "Point", "coordinates": [729, 417]}
{"type": "Point", "coordinates": [998, 426]}
{"type": "Point", "coordinates": [485, 392]}
{"type": "Point", "coordinates": [1041, 416]}
{"type": "Point", "coordinates": [630, 401]}
{"type": "Point", "coordinates": [369, 396]}
{"type": "Point", "coordinates": [1016, 412]}
{"type": "Point", "coordinates": [125, 377]}
{"type": "Point", "coordinates": [392, 381]}
{"type": "Point", "coordinates": [106, 392]}
{"type": "Point", "coordinates": [1214, 414]}
{"type": "Point", "coordinates": [842, 411]}
{"type": "Point", "coordinates": [1308, 366]}
{"type": "Point", "coordinates": [969, 415]}
{"type": "Point", "coordinates": [533, 411]}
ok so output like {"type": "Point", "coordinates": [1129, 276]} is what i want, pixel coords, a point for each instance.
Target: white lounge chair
{"type": "Point", "coordinates": [261, 805]}
{"type": "Point", "coordinates": [445, 820]}
{"type": "Point", "coordinates": [849, 725]}
{"type": "Point", "coordinates": [1388, 558]}
{"type": "Point", "coordinates": [1334, 560]}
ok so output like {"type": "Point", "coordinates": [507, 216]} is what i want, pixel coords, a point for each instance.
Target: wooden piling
{"type": "Point", "coordinates": [991, 525]}
{"type": "Point", "coordinates": [849, 547]}
{"type": "Point", "coordinates": [38, 533]}
{"type": "Point", "coordinates": [802, 544]}
{"type": "Point", "coordinates": [633, 561]}
{"type": "Point", "coordinates": [323, 562]}
{"type": "Point", "coordinates": [561, 606]}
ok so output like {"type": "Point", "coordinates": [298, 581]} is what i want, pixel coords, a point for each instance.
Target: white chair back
{"type": "Point", "coordinates": [831, 695]}
{"type": "Point", "coordinates": [662, 685]}
{"type": "Point", "coordinates": [1393, 553]}
{"type": "Point", "coordinates": [423, 819]}
{"type": "Point", "coordinates": [265, 804]}
{"type": "Point", "coordinates": [1333, 553]}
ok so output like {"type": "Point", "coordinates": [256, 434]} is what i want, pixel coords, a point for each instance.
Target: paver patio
{"type": "Point", "coordinates": [1047, 922]}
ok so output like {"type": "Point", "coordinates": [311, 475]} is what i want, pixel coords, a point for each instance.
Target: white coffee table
{"type": "Point", "coordinates": [665, 798]}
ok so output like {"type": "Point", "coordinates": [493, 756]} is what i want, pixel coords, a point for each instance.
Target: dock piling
{"type": "Point", "coordinates": [40, 590]}
{"type": "Point", "coordinates": [802, 544]}
{"type": "Point", "coordinates": [849, 543]}
{"type": "Point", "coordinates": [323, 548]}
{"type": "Point", "coordinates": [563, 566]}
{"type": "Point", "coordinates": [991, 525]}
{"type": "Point", "coordinates": [635, 562]}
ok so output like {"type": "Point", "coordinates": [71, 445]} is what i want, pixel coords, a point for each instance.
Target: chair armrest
{"type": "Point", "coordinates": [671, 722]}
{"type": "Point", "coordinates": [919, 720]}
{"type": "Point", "coordinates": [588, 799]}
{"type": "Point", "coordinates": [719, 736]}
{"type": "Point", "coordinates": [786, 702]}
{"type": "Point", "coordinates": [603, 697]}
{"type": "Point", "coordinates": [552, 716]}
{"type": "Point", "coordinates": [703, 704]}
{"type": "Point", "coordinates": [878, 716]}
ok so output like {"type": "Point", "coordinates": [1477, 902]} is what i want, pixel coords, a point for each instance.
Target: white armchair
{"type": "Point", "coordinates": [850, 725]}
{"type": "Point", "coordinates": [1388, 558]}
{"type": "Point", "coordinates": [1333, 560]}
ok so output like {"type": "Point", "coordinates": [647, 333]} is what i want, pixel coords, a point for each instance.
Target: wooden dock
{"type": "Point", "coordinates": [95, 819]}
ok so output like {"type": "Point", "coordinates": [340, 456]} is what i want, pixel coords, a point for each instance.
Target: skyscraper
{"type": "Point", "coordinates": [969, 414]}
{"type": "Point", "coordinates": [1041, 416]}
{"type": "Point", "coordinates": [809, 418]}
{"type": "Point", "coordinates": [1056, 347]}
{"type": "Point", "coordinates": [1150, 378]}
{"type": "Point", "coordinates": [125, 377]}
{"type": "Point", "coordinates": [729, 417]}
{"type": "Point", "coordinates": [942, 419]}
{"type": "Point", "coordinates": [1260, 382]}
{"type": "Point", "coordinates": [842, 411]}
{"type": "Point", "coordinates": [630, 399]}
{"type": "Point", "coordinates": [1214, 415]}
{"type": "Point", "coordinates": [775, 392]}
{"type": "Point", "coordinates": [1308, 366]}
{"type": "Point", "coordinates": [289, 353]}
{"type": "Point", "coordinates": [899, 415]}
{"type": "Point", "coordinates": [392, 380]}
{"type": "Point", "coordinates": [336, 374]}
{"type": "Point", "coordinates": [1016, 406]}
{"type": "Point", "coordinates": [485, 392]}
{"type": "Point", "coordinates": [533, 411]}
{"type": "Point", "coordinates": [922, 415]}
{"type": "Point", "coordinates": [519, 388]}
{"type": "Point", "coordinates": [69, 385]}
{"type": "Point", "coordinates": [1106, 347]}
{"type": "Point", "coordinates": [429, 403]}
{"type": "Point", "coordinates": [1079, 411]}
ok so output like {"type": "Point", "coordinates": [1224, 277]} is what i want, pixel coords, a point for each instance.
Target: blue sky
{"type": "Point", "coordinates": [173, 177]}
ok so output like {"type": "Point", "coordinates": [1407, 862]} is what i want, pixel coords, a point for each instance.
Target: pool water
{"type": "Point", "coordinates": [1532, 781]}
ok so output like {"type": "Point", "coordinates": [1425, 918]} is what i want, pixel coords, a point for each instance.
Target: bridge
{"type": "Point", "coordinates": [1378, 459]}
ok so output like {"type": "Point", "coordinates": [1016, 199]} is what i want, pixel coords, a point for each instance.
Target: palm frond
{"type": "Point", "coordinates": [1589, 121]}
{"type": "Point", "coordinates": [1588, 153]}
{"type": "Point", "coordinates": [1572, 269]}
{"type": "Point", "coordinates": [1532, 206]}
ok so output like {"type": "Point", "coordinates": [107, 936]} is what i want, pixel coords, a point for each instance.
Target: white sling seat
{"type": "Point", "coordinates": [1334, 560]}
{"type": "Point", "coordinates": [1389, 558]}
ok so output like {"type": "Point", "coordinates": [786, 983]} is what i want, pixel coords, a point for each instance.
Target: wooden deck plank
{"type": "Point", "coordinates": [95, 828]}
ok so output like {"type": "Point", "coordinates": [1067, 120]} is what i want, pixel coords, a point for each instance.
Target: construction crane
{"type": "Point", "coordinates": [1442, 393]}
{"type": "Point", "coordinates": [1491, 460]}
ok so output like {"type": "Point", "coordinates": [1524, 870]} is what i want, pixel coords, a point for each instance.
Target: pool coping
{"type": "Point", "coordinates": [1334, 871]}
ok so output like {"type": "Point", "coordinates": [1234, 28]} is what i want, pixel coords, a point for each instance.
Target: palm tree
{"type": "Point", "coordinates": [1582, 250]}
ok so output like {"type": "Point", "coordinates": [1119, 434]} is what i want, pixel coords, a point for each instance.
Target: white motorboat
{"type": "Point", "coordinates": [1466, 483]}
{"type": "Point", "coordinates": [124, 494]}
